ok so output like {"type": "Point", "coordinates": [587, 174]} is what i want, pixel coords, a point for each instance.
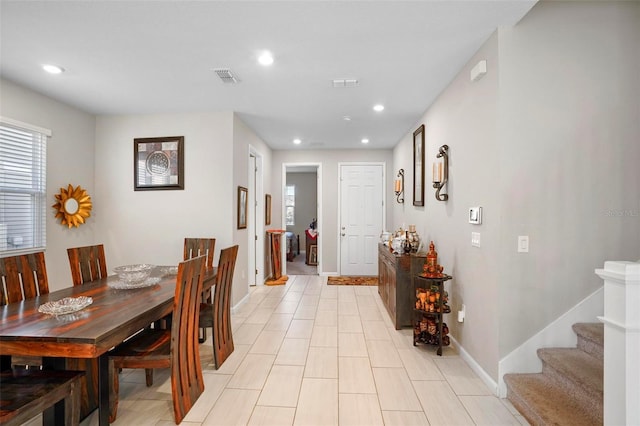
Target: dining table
{"type": "Point", "coordinates": [115, 314]}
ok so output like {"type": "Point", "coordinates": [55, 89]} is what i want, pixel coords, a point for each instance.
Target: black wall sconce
{"type": "Point", "coordinates": [399, 187]}
{"type": "Point", "coordinates": [440, 176]}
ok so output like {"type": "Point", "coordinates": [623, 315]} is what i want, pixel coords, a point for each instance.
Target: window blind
{"type": "Point", "coordinates": [22, 188]}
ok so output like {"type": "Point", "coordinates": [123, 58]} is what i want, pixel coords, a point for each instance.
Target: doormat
{"type": "Point", "coordinates": [352, 280]}
{"type": "Point", "coordinates": [280, 281]}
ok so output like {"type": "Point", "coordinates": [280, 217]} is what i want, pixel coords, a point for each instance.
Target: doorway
{"type": "Point", "coordinates": [301, 218]}
{"type": "Point", "coordinates": [361, 217]}
{"type": "Point", "coordinates": [256, 234]}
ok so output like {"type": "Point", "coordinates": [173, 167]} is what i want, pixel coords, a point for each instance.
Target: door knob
{"type": "Point", "coordinates": [343, 234]}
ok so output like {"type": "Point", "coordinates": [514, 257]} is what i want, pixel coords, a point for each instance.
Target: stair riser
{"type": "Point", "coordinates": [586, 397]}
{"type": "Point", "coordinates": [594, 349]}
{"type": "Point", "coordinates": [532, 417]}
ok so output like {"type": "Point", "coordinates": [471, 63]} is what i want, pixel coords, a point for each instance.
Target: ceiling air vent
{"type": "Point", "coordinates": [345, 82]}
{"type": "Point", "coordinates": [226, 75]}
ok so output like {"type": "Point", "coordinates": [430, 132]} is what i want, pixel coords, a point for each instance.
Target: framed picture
{"type": "Point", "coordinates": [243, 206]}
{"type": "Point", "coordinates": [267, 209]}
{"type": "Point", "coordinates": [418, 166]}
{"type": "Point", "coordinates": [158, 163]}
{"type": "Point", "coordinates": [313, 255]}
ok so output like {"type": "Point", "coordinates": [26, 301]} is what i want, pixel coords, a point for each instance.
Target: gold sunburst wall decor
{"type": "Point", "coordinates": [73, 206]}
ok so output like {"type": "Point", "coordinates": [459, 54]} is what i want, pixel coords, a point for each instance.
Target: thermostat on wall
{"type": "Point", "coordinates": [475, 215]}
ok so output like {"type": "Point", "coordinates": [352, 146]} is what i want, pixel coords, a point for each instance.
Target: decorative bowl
{"type": "Point", "coordinates": [133, 273]}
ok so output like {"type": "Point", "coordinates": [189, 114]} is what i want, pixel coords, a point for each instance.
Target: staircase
{"type": "Point", "coordinates": [568, 391]}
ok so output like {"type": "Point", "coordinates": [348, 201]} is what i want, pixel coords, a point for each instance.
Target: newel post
{"type": "Point", "coordinates": [621, 342]}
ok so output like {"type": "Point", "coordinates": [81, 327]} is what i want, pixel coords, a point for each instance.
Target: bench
{"type": "Point", "coordinates": [27, 393]}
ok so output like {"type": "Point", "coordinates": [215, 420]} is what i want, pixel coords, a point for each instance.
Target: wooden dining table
{"type": "Point", "coordinates": [91, 332]}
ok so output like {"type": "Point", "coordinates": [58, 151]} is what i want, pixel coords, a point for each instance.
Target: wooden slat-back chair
{"type": "Point", "coordinates": [87, 263]}
{"type": "Point", "coordinates": [23, 277]}
{"type": "Point", "coordinates": [217, 315]}
{"type": "Point", "coordinates": [194, 247]}
{"type": "Point", "coordinates": [176, 348]}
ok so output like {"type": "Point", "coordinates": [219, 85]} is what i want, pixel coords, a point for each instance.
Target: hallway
{"type": "Point", "coordinates": [311, 354]}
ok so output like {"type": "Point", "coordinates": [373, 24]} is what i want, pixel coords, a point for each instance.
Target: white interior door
{"type": "Point", "coordinates": [361, 218]}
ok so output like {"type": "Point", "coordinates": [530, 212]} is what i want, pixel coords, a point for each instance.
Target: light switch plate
{"type": "Point", "coordinates": [523, 244]}
{"type": "Point", "coordinates": [475, 215]}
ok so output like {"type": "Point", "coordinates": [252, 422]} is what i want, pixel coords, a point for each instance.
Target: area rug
{"type": "Point", "coordinates": [280, 281]}
{"type": "Point", "coordinates": [352, 280]}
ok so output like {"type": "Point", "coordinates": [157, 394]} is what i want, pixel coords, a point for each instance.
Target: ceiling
{"type": "Point", "coordinates": [154, 57]}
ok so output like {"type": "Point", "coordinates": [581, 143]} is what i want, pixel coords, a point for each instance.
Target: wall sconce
{"type": "Point", "coordinates": [441, 177]}
{"type": "Point", "coordinates": [399, 187]}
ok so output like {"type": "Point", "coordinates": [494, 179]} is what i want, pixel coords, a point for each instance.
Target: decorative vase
{"type": "Point", "coordinates": [414, 241]}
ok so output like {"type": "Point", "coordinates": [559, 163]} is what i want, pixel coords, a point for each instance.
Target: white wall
{"type": "Point", "coordinates": [547, 143]}
{"type": "Point", "coordinates": [150, 226]}
{"type": "Point", "coordinates": [329, 207]}
{"type": "Point", "coordinates": [243, 139]}
{"type": "Point", "coordinates": [69, 161]}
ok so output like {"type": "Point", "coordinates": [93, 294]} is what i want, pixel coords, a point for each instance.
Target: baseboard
{"type": "Point", "coordinates": [240, 303]}
{"type": "Point", "coordinates": [559, 333]}
{"type": "Point", "coordinates": [484, 376]}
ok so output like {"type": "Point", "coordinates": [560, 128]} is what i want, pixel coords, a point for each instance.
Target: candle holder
{"type": "Point", "coordinates": [440, 178]}
{"type": "Point", "coordinates": [399, 187]}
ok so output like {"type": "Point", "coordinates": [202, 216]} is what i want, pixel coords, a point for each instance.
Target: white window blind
{"type": "Point", "coordinates": [23, 159]}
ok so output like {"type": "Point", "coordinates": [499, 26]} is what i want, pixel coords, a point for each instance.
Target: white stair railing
{"type": "Point", "coordinates": [621, 342]}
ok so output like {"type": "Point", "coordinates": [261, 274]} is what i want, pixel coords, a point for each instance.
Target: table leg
{"type": "Point", "coordinates": [5, 362]}
{"type": "Point", "coordinates": [55, 414]}
{"type": "Point", "coordinates": [103, 389]}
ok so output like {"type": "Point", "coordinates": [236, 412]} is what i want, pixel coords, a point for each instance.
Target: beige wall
{"type": "Point", "coordinates": [70, 160]}
{"type": "Point", "coordinates": [547, 143]}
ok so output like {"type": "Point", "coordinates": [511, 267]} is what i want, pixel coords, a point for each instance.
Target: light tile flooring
{"type": "Point", "coordinates": [311, 354]}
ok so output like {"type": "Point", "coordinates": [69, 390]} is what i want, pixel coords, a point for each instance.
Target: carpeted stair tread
{"type": "Point", "coordinates": [590, 338]}
{"type": "Point", "coordinates": [578, 372]}
{"type": "Point", "coordinates": [542, 402]}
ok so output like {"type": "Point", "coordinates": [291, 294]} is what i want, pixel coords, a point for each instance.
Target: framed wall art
{"type": "Point", "coordinates": [243, 207]}
{"type": "Point", "coordinates": [418, 166]}
{"type": "Point", "coordinates": [267, 209]}
{"type": "Point", "coordinates": [158, 163]}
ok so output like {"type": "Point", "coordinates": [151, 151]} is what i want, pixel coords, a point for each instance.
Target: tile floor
{"type": "Point", "coordinates": [311, 354]}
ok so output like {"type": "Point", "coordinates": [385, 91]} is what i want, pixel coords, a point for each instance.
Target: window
{"type": "Point", "coordinates": [290, 204]}
{"type": "Point", "coordinates": [23, 204]}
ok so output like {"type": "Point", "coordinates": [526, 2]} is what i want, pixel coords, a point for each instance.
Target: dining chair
{"type": "Point", "coordinates": [175, 348]}
{"type": "Point", "coordinates": [194, 247]}
{"type": "Point", "coordinates": [217, 315]}
{"type": "Point", "coordinates": [23, 277]}
{"type": "Point", "coordinates": [87, 263]}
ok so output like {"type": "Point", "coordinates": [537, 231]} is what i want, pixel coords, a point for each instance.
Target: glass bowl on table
{"type": "Point", "coordinates": [136, 275]}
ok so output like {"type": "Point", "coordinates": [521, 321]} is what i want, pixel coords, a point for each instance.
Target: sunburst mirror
{"type": "Point", "coordinates": [73, 206]}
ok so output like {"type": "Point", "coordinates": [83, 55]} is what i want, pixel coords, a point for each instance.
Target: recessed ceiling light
{"type": "Point", "coordinates": [53, 69]}
{"type": "Point", "coordinates": [365, 140]}
{"type": "Point", "coordinates": [346, 118]}
{"type": "Point", "coordinates": [297, 141]}
{"type": "Point", "coordinates": [378, 107]}
{"type": "Point", "coordinates": [265, 58]}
